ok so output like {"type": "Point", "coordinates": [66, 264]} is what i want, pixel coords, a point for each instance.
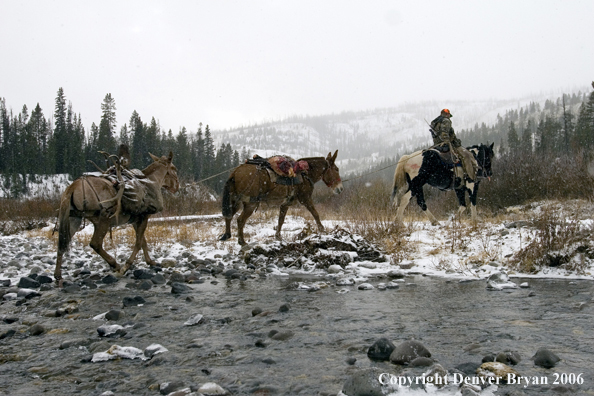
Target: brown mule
{"type": "Point", "coordinates": [93, 198]}
{"type": "Point", "coordinates": [249, 185]}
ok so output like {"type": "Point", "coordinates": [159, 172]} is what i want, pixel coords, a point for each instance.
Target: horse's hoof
{"type": "Point", "coordinates": [242, 242]}
{"type": "Point", "coordinates": [224, 237]}
{"type": "Point", "coordinates": [278, 237]}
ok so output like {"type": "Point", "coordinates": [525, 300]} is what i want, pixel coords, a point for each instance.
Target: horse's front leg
{"type": "Point", "coordinates": [461, 194]}
{"type": "Point", "coordinates": [101, 228]}
{"type": "Point", "coordinates": [145, 251]}
{"type": "Point", "coordinates": [140, 243]}
{"type": "Point", "coordinates": [417, 191]}
{"type": "Point", "coordinates": [308, 203]}
{"type": "Point", "coordinates": [472, 197]}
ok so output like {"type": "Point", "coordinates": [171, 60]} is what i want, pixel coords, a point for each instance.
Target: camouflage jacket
{"type": "Point", "coordinates": [443, 132]}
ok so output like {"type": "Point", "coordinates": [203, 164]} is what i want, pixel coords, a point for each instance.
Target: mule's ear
{"type": "Point", "coordinates": [334, 156]}
{"type": "Point", "coordinates": [154, 157]}
{"type": "Point", "coordinates": [329, 156]}
{"type": "Point", "coordinates": [492, 144]}
{"type": "Point", "coordinates": [170, 158]}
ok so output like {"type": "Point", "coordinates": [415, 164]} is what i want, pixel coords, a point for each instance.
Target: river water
{"type": "Point", "coordinates": [324, 335]}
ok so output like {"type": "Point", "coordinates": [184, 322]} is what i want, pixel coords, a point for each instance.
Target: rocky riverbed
{"type": "Point", "coordinates": [321, 315]}
{"type": "Point", "coordinates": [246, 332]}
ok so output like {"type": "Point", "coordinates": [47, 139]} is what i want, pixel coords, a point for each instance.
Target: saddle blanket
{"type": "Point", "coordinates": [282, 166]}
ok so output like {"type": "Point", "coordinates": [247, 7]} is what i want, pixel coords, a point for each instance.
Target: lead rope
{"type": "Point", "coordinates": [389, 166]}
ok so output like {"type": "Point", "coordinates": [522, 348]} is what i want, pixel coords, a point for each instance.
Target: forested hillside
{"type": "Point", "coordinates": [34, 143]}
{"type": "Point", "coordinates": [368, 139]}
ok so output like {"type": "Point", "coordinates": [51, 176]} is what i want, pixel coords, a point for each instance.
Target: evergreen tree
{"type": "Point", "coordinates": [77, 148]}
{"type": "Point", "coordinates": [124, 136]}
{"type": "Point", "coordinates": [526, 142]}
{"type": "Point", "coordinates": [502, 149]}
{"type": "Point", "coordinates": [106, 140]}
{"type": "Point", "coordinates": [71, 142]}
{"type": "Point", "coordinates": [19, 161]}
{"type": "Point", "coordinates": [548, 135]}
{"type": "Point", "coordinates": [584, 129]}
{"type": "Point", "coordinates": [223, 162]}
{"type": "Point", "coordinates": [183, 155]}
{"type": "Point", "coordinates": [139, 147]}
{"type": "Point", "coordinates": [153, 141]}
{"type": "Point", "coordinates": [568, 127]}
{"type": "Point", "coordinates": [92, 150]}
{"type": "Point", "coordinates": [245, 154]}
{"type": "Point", "coordinates": [60, 137]}
{"type": "Point", "coordinates": [31, 152]}
{"type": "Point", "coordinates": [208, 159]}
{"type": "Point", "coordinates": [235, 158]}
{"type": "Point", "coordinates": [37, 149]}
{"type": "Point", "coordinates": [198, 154]}
{"type": "Point", "coordinates": [4, 134]}
{"type": "Point", "coordinates": [513, 140]}
{"type": "Point", "coordinates": [168, 142]}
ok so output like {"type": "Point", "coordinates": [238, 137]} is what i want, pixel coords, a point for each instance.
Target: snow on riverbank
{"type": "Point", "coordinates": [453, 250]}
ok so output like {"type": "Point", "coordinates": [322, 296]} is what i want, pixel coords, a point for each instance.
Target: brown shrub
{"type": "Point", "coordinates": [560, 241]}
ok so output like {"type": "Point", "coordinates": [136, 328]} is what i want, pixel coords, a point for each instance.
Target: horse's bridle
{"type": "Point", "coordinates": [482, 163]}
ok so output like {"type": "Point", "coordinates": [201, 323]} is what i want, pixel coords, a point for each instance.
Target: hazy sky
{"type": "Point", "coordinates": [228, 63]}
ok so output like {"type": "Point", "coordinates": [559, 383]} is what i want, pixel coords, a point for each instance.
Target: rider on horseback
{"type": "Point", "coordinates": [443, 134]}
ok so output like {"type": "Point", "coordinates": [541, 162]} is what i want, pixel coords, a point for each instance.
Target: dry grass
{"type": "Point", "coordinates": [561, 240]}
{"type": "Point", "coordinates": [14, 209]}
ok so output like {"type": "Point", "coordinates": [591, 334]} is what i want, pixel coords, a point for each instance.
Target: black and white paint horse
{"type": "Point", "coordinates": [427, 167]}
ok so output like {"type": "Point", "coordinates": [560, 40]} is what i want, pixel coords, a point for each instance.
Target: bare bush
{"type": "Point", "coordinates": [191, 199]}
{"type": "Point", "coordinates": [535, 177]}
{"type": "Point", "coordinates": [560, 241]}
{"type": "Point", "coordinates": [20, 215]}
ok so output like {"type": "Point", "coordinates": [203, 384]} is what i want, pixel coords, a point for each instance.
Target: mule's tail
{"type": "Point", "coordinates": [227, 204]}
{"type": "Point", "coordinates": [400, 176]}
{"type": "Point", "coordinates": [64, 233]}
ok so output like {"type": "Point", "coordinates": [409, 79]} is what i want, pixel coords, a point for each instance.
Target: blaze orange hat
{"type": "Point", "coordinates": [447, 111]}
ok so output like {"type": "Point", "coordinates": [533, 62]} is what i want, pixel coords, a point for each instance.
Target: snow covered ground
{"type": "Point", "coordinates": [453, 249]}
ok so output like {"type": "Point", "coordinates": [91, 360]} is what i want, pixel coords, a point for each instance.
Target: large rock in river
{"type": "Point", "coordinates": [408, 351]}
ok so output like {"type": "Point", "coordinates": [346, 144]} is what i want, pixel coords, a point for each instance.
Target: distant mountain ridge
{"type": "Point", "coordinates": [365, 138]}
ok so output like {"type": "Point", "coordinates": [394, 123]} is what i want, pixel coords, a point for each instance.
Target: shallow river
{"type": "Point", "coordinates": [459, 322]}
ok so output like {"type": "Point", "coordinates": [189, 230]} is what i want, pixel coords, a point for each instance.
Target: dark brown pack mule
{"type": "Point", "coordinates": [96, 198]}
{"type": "Point", "coordinates": [250, 184]}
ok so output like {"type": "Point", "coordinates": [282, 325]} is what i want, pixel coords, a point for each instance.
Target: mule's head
{"type": "Point", "coordinates": [170, 181]}
{"type": "Point", "coordinates": [331, 176]}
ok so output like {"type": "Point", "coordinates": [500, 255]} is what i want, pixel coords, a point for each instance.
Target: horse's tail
{"type": "Point", "coordinates": [64, 232]}
{"type": "Point", "coordinates": [227, 204]}
{"type": "Point", "coordinates": [400, 176]}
